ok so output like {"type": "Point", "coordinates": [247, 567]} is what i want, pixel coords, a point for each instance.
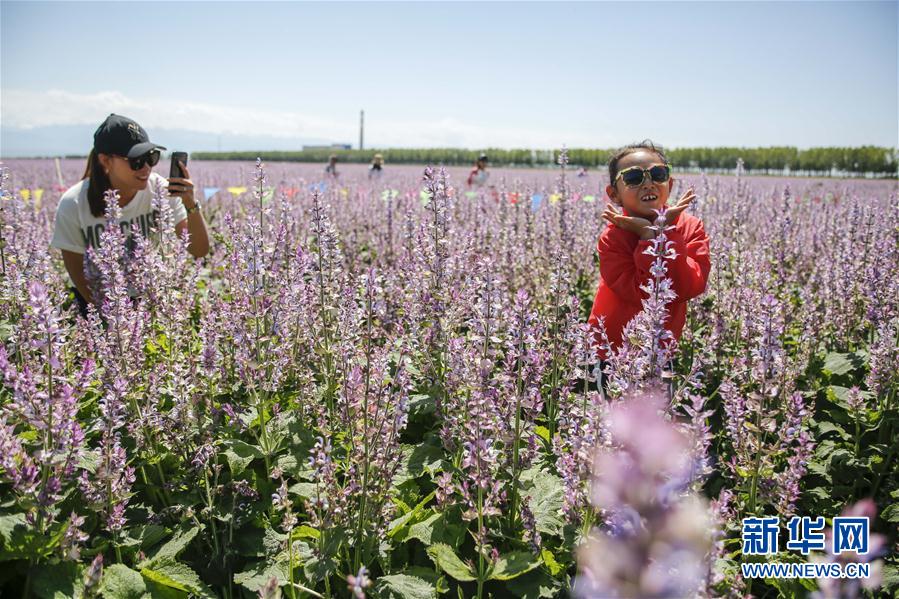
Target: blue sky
{"type": "Point", "coordinates": [509, 74]}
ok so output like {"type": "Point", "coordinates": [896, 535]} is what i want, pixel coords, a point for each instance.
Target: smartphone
{"type": "Point", "coordinates": [175, 170]}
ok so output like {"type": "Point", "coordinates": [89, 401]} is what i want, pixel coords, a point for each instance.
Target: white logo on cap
{"type": "Point", "coordinates": [134, 130]}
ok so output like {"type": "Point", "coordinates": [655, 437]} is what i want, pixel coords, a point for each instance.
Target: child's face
{"type": "Point", "coordinates": [632, 198]}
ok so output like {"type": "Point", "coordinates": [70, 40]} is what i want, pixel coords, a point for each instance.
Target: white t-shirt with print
{"type": "Point", "coordinates": [77, 229]}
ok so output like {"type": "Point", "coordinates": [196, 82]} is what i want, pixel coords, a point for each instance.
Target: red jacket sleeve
{"type": "Point", "coordinates": [689, 270]}
{"type": "Point", "coordinates": [618, 266]}
{"type": "Point", "coordinates": [625, 270]}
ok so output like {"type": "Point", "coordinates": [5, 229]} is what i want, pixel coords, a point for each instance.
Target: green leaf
{"type": "Point", "coordinates": [176, 575]}
{"type": "Point", "coordinates": [545, 499]}
{"type": "Point", "coordinates": [257, 542]}
{"type": "Point", "coordinates": [403, 586]}
{"type": "Point", "coordinates": [819, 469]}
{"type": "Point", "coordinates": [437, 529]}
{"type": "Point", "coordinates": [151, 535]}
{"type": "Point", "coordinates": [239, 455]}
{"type": "Point", "coordinates": [891, 513]}
{"type": "Point", "coordinates": [890, 578]}
{"type": "Point", "coordinates": [173, 547]}
{"type": "Point", "coordinates": [446, 559]}
{"type": "Point", "coordinates": [841, 394]}
{"type": "Point", "coordinates": [421, 405]}
{"type": "Point", "coordinates": [13, 532]}
{"type": "Point", "coordinates": [260, 573]}
{"type": "Point", "coordinates": [19, 540]}
{"type": "Point", "coordinates": [513, 565]}
{"type": "Point", "coordinates": [550, 560]}
{"type": "Point", "coordinates": [121, 582]}
{"type": "Point", "coordinates": [89, 460]}
{"type": "Point", "coordinates": [304, 490]}
{"type": "Point", "coordinates": [58, 581]}
{"type": "Point", "coordinates": [837, 364]}
{"type": "Point", "coordinates": [832, 427]}
{"type": "Point", "coordinates": [542, 432]}
{"type": "Point", "coordinates": [424, 458]}
{"type": "Point", "coordinates": [305, 532]}
{"type": "Point", "coordinates": [398, 526]}
{"type": "Point", "coordinates": [535, 585]}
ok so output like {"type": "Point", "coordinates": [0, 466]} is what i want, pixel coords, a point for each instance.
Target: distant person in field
{"type": "Point", "coordinates": [331, 168]}
{"type": "Point", "coordinates": [640, 176]}
{"type": "Point", "coordinates": [122, 158]}
{"type": "Point", "coordinates": [376, 168]}
{"type": "Point", "coordinates": [582, 172]}
{"type": "Point", "coordinates": [479, 174]}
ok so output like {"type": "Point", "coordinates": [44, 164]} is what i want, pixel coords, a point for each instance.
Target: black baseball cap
{"type": "Point", "coordinates": [483, 157]}
{"type": "Point", "coordinates": [122, 136]}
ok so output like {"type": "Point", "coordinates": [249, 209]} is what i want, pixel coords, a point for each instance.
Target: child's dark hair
{"type": "Point", "coordinates": [623, 151]}
{"type": "Point", "coordinates": [97, 185]}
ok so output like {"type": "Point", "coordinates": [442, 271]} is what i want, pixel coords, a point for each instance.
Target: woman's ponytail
{"type": "Point", "coordinates": [97, 185]}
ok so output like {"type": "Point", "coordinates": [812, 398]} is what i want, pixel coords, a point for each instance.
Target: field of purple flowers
{"type": "Point", "coordinates": [387, 389]}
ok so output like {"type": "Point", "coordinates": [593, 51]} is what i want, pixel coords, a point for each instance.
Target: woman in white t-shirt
{"type": "Point", "coordinates": [122, 158]}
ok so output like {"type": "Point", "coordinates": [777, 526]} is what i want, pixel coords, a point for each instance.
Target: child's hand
{"type": "Point", "coordinates": [672, 214]}
{"type": "Point", "coordinates": [634, 224]}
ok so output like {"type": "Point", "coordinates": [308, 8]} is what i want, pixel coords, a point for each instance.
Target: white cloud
{"type": "Point", "coordinates": [26, 109]}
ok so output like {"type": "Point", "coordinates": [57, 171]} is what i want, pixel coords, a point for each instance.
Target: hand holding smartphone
{"type": "Point", "coordinates": [175, 169]}
{"type": "Point", "coordinates": [179, 181]}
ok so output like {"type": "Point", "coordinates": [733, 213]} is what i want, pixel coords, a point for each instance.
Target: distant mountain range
{"type": "Point", "coordinates": [63, 140]}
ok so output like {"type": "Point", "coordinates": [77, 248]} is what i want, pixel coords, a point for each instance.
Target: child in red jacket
{"type": "Point", "coordinates": [640, 183]}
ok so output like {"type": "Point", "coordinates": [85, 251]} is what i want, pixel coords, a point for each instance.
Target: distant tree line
{"type": "Point", "coordinates": [863, 159]}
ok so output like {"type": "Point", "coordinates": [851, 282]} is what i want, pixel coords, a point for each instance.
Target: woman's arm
{"type": "Point", "coordinates": [198, 246]}
{"type": "Point", "coordinates": [196, 228]}
{"type": "Point", "coordinates": [75, 266]}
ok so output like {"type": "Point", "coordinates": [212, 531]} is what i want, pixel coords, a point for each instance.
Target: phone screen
{"type": "Point", "coordinates": [175, 170]}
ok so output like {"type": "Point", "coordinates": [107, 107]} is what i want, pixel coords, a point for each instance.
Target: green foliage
{"type": "Point", "coordinates": [239, 455]}
{"type": "Point", "coordinates": [167, 572]}
{"type": "Point", "coordinates": [173, 547]}
{"type": "Point", "coordinates": [544, 491]}
{"type": "Point", "coordinates": [854, 160]}
{"type": "Point", "coordinates": [446, 559]}
{"type": "Point", "coordinates": [58, 581]}
{"type": "Point", "coordinates": [121, 582]}
{"type": "Point", "coordinates": [260, 573]}
{"type": "Point", "coordinates": [513, 565]}
{"type": "Point", "coordinates": [404, 586]}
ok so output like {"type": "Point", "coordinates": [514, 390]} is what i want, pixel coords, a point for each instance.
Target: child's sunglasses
{"type": "Point", "coordinates": [635, 175]}
{"type": "Point", "coordinates": [151, 158]}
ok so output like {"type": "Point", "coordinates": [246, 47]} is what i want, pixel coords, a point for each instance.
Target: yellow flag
{"type": "Point", "coordinates": [237, 190]}
{"type": "Point", "coordinates": [554, 198]}
{"type": "Point", "coordinates": [589, 198]}
{"type": "Point", "coordinates": [25, 193]}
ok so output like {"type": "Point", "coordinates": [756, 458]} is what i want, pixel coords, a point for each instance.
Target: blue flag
{"type": "Point", "coordinates": [209, 191]}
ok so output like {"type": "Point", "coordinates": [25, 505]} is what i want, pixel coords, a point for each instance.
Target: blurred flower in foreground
{"type": "Point", "coordinates": [358, 583]}
{"type": "Point", "coordinates": [657, 535]}
{"type": "Point", "coordinates": [847, 588]}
